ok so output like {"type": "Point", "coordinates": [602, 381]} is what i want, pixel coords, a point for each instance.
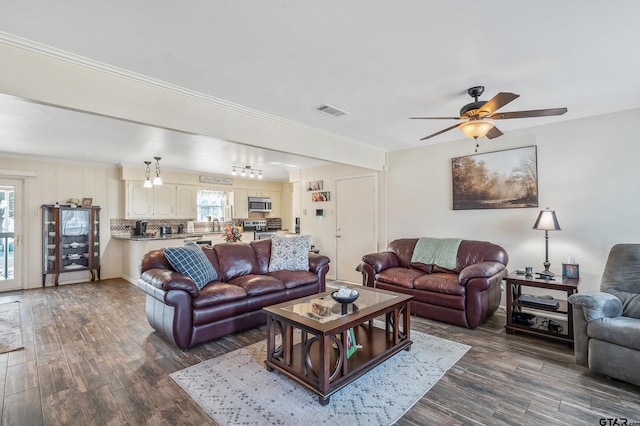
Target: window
{"type": "Point", "coordinates": [211, 204]}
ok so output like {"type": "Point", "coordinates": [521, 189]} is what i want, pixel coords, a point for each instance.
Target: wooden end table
{"type": "Point", "coordinates": [516, 282]}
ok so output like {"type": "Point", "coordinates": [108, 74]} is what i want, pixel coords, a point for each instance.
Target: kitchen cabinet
{"type": "Point", "coordinates": [70, 241]}
{"type": "Point", "coordinates": [187, 201]}
{"type": "Point", "coordinates": [276, 205]}
{"type": "Point", "coordinates": [239, 199]}
{"type": "Point", "coordinates": [145, 203]}
{"type": "Point", "coordinates": [258, 193]}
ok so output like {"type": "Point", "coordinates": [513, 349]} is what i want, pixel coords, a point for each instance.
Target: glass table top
{"type": "Point", "coordinates": [322, 308]}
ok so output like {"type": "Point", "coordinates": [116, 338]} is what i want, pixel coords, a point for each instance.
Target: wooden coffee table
{"type": "Point", "coordinates": [305, 337]}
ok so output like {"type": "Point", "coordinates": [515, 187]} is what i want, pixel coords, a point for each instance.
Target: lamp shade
{"type": "Point", "coordinates": [477, 128]}
{"type": "Point", "coordinates": [547, 221]}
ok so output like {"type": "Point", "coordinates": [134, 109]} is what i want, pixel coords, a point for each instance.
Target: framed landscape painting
{"type": "Point", "coordinates": [496, 180]}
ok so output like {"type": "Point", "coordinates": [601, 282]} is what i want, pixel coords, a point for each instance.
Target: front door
{"type": "Point", "coordinates": [10, 234]}
{"type": "Point", "coordinates": [356, 230]}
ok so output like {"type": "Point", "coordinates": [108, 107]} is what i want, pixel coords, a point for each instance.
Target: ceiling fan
{"type": "Point", "coordinates": [478, 116]}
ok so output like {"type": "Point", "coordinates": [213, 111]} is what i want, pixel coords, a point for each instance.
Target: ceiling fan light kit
{"type": "Point", "coordinates": [478, 115]}
{"type": "Point", "coordinates": [475, 129]}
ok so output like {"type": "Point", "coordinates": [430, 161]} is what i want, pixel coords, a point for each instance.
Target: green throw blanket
{"type": "Point", "coordinates": [437, 251]}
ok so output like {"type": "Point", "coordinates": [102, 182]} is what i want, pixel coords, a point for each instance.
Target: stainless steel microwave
{"type": "Point", "coordinates": [259, 204]}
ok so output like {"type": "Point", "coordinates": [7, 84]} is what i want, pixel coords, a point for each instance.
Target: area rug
{"type": "Point", "coordinates": [10, 332]}
{"type": "Point", "coordinates": [235, 388]}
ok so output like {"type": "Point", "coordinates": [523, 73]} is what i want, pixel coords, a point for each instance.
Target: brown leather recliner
{"type": "Point", "coordinates": [465, 296]}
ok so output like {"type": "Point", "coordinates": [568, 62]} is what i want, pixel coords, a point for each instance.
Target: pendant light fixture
{"type": "Point", "coordinates": [147, 175]}
{"type": "Point", "coordinates": [157, 180]}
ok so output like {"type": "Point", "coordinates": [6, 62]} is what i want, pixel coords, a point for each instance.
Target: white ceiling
{"type": "Point", "coordinates": [380, 61]}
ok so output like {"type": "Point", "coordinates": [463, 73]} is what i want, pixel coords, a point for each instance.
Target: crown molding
{"type": "Point", "coordinates": [42, 49]}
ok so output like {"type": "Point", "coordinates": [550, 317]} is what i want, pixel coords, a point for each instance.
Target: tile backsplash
{"type": "Point", "coordinates": [125, 227]}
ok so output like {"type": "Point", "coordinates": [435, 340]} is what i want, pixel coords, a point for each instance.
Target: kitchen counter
{"type": "Point", "coordinates": [158, 237]}
{"type": "Point", "coordinates": [133, 248]}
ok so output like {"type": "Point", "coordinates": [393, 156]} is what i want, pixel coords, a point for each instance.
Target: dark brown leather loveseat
{"type": "Point", "coordinates": [188, 317]}
{"type": "Point", "coordinates": [465, 296]}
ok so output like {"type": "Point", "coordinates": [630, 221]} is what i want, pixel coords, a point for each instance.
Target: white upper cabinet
{"type": "Point", "coordinates": [187, 200]}
{"type": "Point", "coordinates": [276, 205]}
{"type": "Point", "coordinates": [239, 199]}
{"type": "Point", "coordinates": [145, 203]}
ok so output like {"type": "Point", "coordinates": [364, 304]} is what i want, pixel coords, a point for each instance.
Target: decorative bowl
{"type": "Point", "coordinates": [344, 299]}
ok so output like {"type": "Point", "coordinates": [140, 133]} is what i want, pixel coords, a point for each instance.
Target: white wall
{"type": "Point", "coordinates": [587, 171]}
{"type": "Point", "coordinates": [323, 230]}
{"type": "Point", "coordinates": [59, 181]}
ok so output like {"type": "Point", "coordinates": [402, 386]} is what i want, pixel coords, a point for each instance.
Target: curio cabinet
{"type": "Point", "coordinates": [70, 241]}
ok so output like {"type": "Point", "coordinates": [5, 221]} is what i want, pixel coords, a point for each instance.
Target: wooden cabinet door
{"type": "Point", "coordinates": [187, 199]}
{"type": "Point", "coordinates": [240, 204]}
{"type": "Point", "coordinates": [164, 201]}
{"type": "Point", "coordinates": [276, 205]}
{"type": "Point", "coordinates": [138, 200]}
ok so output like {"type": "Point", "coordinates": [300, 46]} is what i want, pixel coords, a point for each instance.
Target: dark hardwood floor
{"type": "Point", "coordinates": [90, 357]}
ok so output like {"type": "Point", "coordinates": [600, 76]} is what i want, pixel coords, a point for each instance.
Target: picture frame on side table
{"type": "Point", "coordinates": [87, 203]}
{"type": "Point", "coordinates": [570, 270]}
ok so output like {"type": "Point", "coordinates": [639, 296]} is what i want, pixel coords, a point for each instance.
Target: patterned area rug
{"type": "Point", "coordinates": [235, 388]}
{"type": "Point", "coordinates": [10, 332]}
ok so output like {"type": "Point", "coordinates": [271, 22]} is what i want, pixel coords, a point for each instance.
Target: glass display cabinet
{"type": "Point", "coordinates": [70, 241]}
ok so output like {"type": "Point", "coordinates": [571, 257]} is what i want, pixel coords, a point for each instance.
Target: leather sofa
{"type": "Point", "coordinates": [188, 317]}
{"type": "Point", "coordinates": [606, 323]}
{"type": "Point", "coordinates": [466, 295]}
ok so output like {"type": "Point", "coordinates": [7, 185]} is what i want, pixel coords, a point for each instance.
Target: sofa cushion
{"type": "Point", "coordinates": [403, 277]}
{"type": "Point", "coordinates": [262, 248]}
{"type": "Point", "coordinates": [440, 283]}
{"type": "Point", "coordinates": [236, 260]}
{"type": "Point", "coordinates": [289, 253]}
{"type": "Point", "coordinates": [189, 260]}
{"type": "Point", "coordinates": [293, 279]}
{"type": "Point", "coordinates": [218, 292]}
{"type": "Point", "coordinates": [257, 284]}
{"type": "Point", "coordinates": [623, 331]}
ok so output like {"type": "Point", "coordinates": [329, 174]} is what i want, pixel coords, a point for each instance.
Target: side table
{"type": "Point", "coordinates": [542, 325]}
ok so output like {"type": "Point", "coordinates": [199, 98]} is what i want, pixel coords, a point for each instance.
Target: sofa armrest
{"type": "Point", "coordinates": [317, 261]}
{"type": "Point", "coordinates": [381, 261]}
{"type": "Point", "coordinates": [597, 304]}
{"type": "Point", "coordinates": [480, 270]}
{"type": "Point", "coordinates": [375, 262]}
{"type": "Point", "coordinates": [166, 280]}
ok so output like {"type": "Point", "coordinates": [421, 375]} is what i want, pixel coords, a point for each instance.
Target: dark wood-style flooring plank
{"type": "Point", "coordinates": [91, 358]}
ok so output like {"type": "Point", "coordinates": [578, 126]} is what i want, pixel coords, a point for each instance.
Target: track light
{"type": "Point", "coordinates": [246, 170]}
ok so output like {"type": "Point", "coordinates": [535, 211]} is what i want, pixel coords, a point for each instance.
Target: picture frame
{"type": "Point", "coordinates": [87, 203]}
{"type": "Point", "coordinates": [351, 345]}
{"type": "Point", "coordinates": [570, 270]}
{"type": "Point", "coordinates": [496, 180]}
{"type": "Point", "coordinates": [317, 197]}
{"type": "Point", "coordinates": [315, 185]}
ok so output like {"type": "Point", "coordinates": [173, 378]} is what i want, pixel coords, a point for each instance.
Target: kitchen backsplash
{"type": "Point", "coordinates": [125, 227]}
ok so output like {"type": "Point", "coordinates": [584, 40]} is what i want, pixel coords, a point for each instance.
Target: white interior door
{"type": "Point", "coordinates": [10, 234]}
{"type": "Point", "coordinates": [356, 230]}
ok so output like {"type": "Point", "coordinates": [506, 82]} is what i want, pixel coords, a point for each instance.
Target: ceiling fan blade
{"type": "Point", "coordinates": [531, 113]}
{"type": "Point", "coordinates": [435, 118]}
{"type": "Point", "coordinates": [494, 133]}
{"type": "Point", "coordinates": [498, 101]}
{"type": "Point", "coordinates": [441, 131]}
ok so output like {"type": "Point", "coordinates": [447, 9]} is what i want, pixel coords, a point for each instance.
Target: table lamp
{"type": "Point", "coordinates": [547, 221]}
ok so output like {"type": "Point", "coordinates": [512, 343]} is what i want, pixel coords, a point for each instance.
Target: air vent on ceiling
{"type": "Point", "coordinates": [331, 110]}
